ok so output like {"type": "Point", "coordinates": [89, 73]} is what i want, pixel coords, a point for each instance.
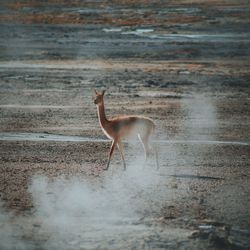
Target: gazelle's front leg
{"type": "Point", "coordinates": [114, 142]}
{"type": "Point", "coordinates": [120, 147]}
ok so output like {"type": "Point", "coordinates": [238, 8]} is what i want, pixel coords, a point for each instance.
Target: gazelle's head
{"type": "Point", "coordinates": [98, 97]}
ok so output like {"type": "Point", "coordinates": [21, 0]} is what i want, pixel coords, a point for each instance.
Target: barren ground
{"type": "Point", "coordinates": [184, 65]}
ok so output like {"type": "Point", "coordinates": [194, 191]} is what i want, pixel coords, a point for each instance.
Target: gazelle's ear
{"type": "Point", "coordinates": [103, 92]}
{"type": "Point", "coordinates": [96, 92]}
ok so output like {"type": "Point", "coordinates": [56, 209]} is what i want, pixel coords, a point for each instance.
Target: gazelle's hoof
{"type": "Point", "coordinates": [124, 168]}
{"type": "Point", "coordinates": [106, 168]}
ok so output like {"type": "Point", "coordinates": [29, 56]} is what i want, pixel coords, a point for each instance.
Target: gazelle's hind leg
{"type": "Point", "coordinates": [144, 138]}
{"type": "Point", "coordinates": [156, 157]}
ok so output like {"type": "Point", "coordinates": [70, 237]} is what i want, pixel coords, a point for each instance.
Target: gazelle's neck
{"type": "Point", "coordinates": [101, 114]}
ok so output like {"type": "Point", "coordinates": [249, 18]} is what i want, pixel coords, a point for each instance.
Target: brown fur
{"type": "Point", "coordinates": [121, 127]}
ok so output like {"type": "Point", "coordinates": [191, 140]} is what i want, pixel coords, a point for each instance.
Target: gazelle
{"type": "Point", "coordinates": [121, 127]}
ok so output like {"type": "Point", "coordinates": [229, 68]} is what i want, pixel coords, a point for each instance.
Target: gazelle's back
{"type": "Point", "coordinates": [132, 125]}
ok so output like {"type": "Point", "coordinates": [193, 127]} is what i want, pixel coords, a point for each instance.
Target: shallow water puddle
{"type": "Point", "coordinates": [137, 32]}
{"type": "Point", "coordinates": [11, 136]}
{"type": "Point", "coordinates": [226, 37]}
{"type": "Point", "coordinates": [112, 30]}
{"type": "Point", "coordinates": [46, 137]}
{"type": "Point", "coordinates": [163, 94]}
